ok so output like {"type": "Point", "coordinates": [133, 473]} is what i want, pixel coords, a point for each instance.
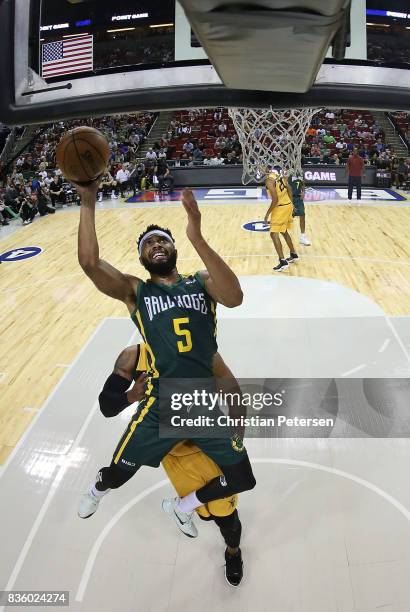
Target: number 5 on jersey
{"type": "Point", "coordinates": [184, 346]}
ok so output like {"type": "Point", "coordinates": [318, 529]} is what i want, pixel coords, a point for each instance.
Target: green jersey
{"type": "Point", "coordinates": [178, 325]}
{"type": "Point", "coordinates": [296, 184]}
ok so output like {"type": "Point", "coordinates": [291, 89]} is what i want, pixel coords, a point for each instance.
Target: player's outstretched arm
{"type": "Point", "coordinates": [221, 282]}
{"type": "Point", "coordinates": [105, 277]}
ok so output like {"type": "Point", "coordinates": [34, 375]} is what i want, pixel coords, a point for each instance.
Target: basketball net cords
{"type": "Point", "coordinates": [271, 138]}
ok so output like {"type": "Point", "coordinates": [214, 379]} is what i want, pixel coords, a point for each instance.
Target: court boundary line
{"type": "Point", "coordinates": [64, 465]}
{"type": "Point", "coordinates": [88, 568]}
{"type": "Point", "coordinates": [302, 256]}
{"type": "Point", "coordinates": [26, 433]}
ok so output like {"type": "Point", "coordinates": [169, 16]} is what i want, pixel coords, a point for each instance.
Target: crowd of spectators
{"type": "Point", "coordinates": [34, 185]}
{"type": "Point", "coordinates": [401, 121]}
{"type": "Point", "coordinates": [333, 135]}
{"type": "Point", "coordinates": [132, 48]}
{"type": "Point", "coordinates": [193, 137]}
{"type": "Point", "coordinates": [388, 45]}
{"type": "Point", "coordinates": [207, 136]}
{"type": "Point", "coordinates": [201, 136]}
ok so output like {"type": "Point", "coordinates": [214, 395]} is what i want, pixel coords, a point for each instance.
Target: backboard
{"type": "Point", "coordinates": [124, 56]}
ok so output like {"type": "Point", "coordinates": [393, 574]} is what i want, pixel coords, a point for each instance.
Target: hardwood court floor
{"type": "Point", "coordinates": [49, 308]}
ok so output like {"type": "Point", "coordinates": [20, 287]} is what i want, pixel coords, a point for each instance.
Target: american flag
{"type": "Point", "coordinates": [67, 56]}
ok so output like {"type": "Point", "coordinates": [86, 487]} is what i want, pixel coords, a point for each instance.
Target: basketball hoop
{"type": "Point", "coordinates": [271, 137]}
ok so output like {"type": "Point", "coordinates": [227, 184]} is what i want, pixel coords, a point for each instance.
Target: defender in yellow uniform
{"type": "Point", "coordinates": [280, 216]}
{"type": "Point", "coordinates": [187, 467]}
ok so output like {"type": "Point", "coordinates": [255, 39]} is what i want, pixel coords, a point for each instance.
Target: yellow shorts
{"type": "Point", "coordinates": [281, 219]}
{"type": "Point", "coordinates": [189, 469]}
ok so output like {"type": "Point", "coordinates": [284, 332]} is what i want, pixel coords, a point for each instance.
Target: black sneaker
{"type": "Point", "coordinates": [293, 257]}
{"type": "Point", "coordinates": [233, 568]}
{"type": "Point", "coordinates": [282, 265]}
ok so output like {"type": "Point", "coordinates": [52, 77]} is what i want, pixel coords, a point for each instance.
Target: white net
{"type": "Point", "coordinates": [271, 137]}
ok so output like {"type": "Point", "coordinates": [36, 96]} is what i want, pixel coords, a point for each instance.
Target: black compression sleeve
{"type": "Point", "coordinates": [113, 398]}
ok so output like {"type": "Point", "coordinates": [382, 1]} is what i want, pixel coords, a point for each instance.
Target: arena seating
{"type": "Point", "coordinates": [402, 122]}
{"type": "Point", "coordinates": [200, 125]}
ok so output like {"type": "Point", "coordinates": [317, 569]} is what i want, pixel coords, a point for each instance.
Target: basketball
{"type": "Point", "coordinates": [82, 155]}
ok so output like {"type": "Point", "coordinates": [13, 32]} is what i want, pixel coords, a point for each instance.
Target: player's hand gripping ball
{"type": "Point", "coordinates": [82, 155]}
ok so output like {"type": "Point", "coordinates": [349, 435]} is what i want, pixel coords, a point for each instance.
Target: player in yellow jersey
{"type": "Point", "coordinates": [187, 467]}
{"type": "Point", "coordinates": [280, 216]}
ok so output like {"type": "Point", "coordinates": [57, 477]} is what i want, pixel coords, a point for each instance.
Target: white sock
{"type": "Point", "coordinates": [98, 493]}
{"type": "Point", "coordinates": [189, 503]}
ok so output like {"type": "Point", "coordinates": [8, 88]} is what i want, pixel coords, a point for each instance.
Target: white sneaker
{"type": "Point", "coordinates": [88, 505]}
{"type": "Point", "coordinates": [100, 197]}
{"type": "Point", "coordinates": [304, 240]}
{"type": "Point", "coordinates": [113, 196]}
{"type": "Point", "coordinates": [183, 520]}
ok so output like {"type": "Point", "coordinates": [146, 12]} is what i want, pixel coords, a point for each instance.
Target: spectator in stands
{"type": "Point", "coordinates": [397, 171]}
{"type": "Point", "coordinates": [134, 179]}
{"type": "Point", "coordinates": [122, 178]}
{"type": "Point", "coordinates": [3, 213]}
{"type": "Point", "coordinates": [140, 167]}
{"type": "Point", "coordinates": [329, 139]}
{"type": "Point", "coordinates": [216, 160]}
{"type": "Point", "coordinates": [165, 179]}
{"type": "Point", "coordinates": [188, 147]}
{"type": "Point", "coordinates": [330, 115]}
{"type": "Point", "coordinates": [355, 173]}
{"type": "Point", "coordinates": [231, 158]}
{"type": "Point", "coordinates": [150, 154]}
{"type": "Point", "coordinates": [380, 146]}
{"type": "Point", "coordinates": [44, 201]}
{"type": "Point", "coordinates": [12, 196]}
{"type": "Point", "coordinates": [48, 179]}
{"type": "Point", "coordinates": [383, 161]}
{"type": "Point", "coordinates": [134, 139]}
{"type": "Point", "coordinates": [217, 115]}
{"type": "Point", "coordinates": [335, 159]}
{"type": "Point", "coordinates": [28, 209]}
{"type": "Point", "coordinates": [186, 129]}
{"type": "Point", "coordinates": [108, 183]}
{"type": "Point", "coordinates": [321, 131]}
{"type": "Point", "coordinates": [311, 131]}
{"type": "Point", "coordinates": [197, 154]}
{"type": "Point", "coordinates": [342, 127]}
{"type": "Point", "coordinates": [35, 183]}
{"type": "Point", "coordinates": [222, 127]}
{"type": "Point", "coordinates": [56, 191]}
{"type": "Point", "coordinates": [376, 129]}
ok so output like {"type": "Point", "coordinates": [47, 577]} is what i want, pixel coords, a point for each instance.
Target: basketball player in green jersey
{"type": "Point", "coordinates": [297, 186]}
{"type": "Point", "coordinates": [176, 318]}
